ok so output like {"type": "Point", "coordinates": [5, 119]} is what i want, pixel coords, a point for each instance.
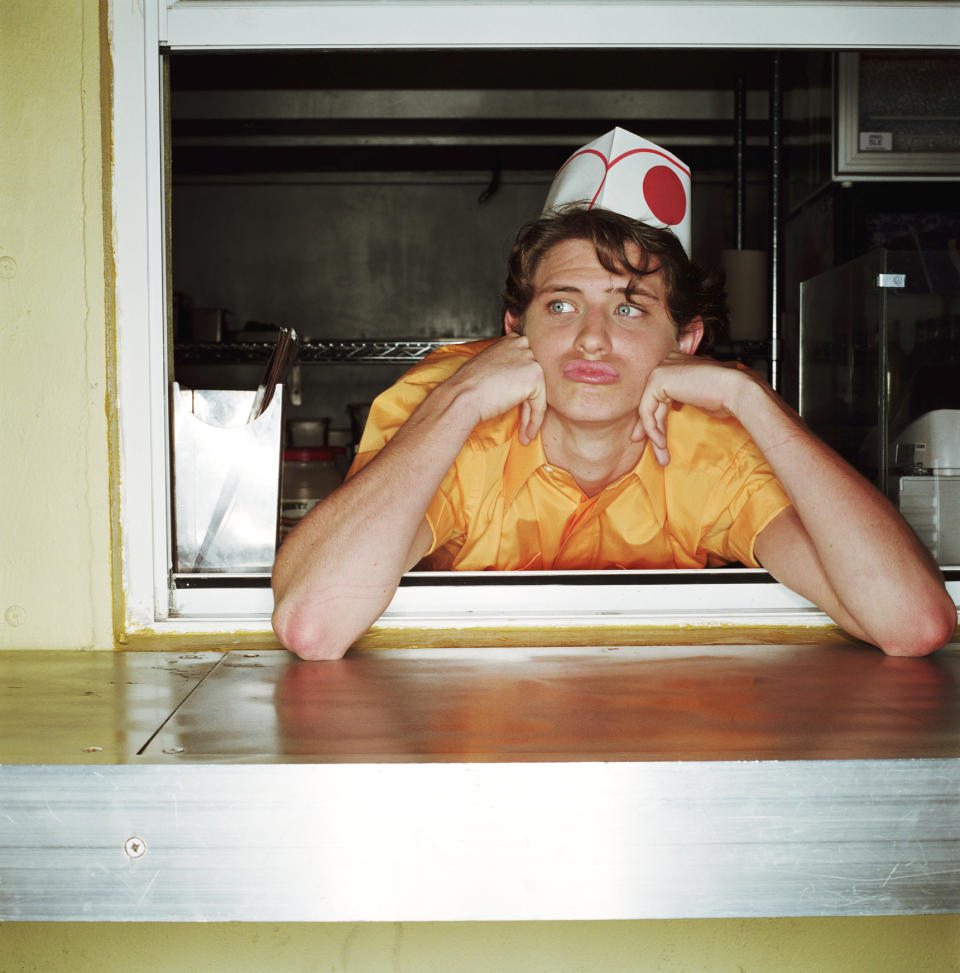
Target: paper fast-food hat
{"type": "Point", "coordinates": [627, 174]}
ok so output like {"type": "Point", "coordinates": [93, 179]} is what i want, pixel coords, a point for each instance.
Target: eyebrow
{"type": "Point", "coordinates": [573, 289]}
{"type": "Point", "coordinates": [641, 292]}
{"type": "Point", "coordinates": [559, 288]}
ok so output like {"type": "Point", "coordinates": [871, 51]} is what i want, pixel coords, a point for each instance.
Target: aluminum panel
{"type": "Point", "coordinates": [491, 841]}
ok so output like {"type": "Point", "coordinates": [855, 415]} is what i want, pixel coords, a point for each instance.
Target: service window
{"type": "Point", "coordinates": [360, 180]}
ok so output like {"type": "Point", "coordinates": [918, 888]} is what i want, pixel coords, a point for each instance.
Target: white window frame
{"type": "Point", "coordinates": [138, 32]}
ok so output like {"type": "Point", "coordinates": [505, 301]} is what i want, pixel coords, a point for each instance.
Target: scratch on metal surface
{"type": "Point", "coordinates": [146, 891]}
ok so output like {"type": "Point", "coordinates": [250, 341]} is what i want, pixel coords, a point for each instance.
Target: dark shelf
{"type": "Point", "coordinates": [387, 350]}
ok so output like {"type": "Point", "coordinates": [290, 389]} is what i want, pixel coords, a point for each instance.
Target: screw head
{"type": "Point", "coordinates": [134, 847]}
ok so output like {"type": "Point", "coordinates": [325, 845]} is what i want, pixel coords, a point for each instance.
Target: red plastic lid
{"type": "Point", "coordinates": [312, 454]}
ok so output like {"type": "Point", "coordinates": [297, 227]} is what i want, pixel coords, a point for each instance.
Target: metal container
{"type": "Point", "coordinates": [226, 480]}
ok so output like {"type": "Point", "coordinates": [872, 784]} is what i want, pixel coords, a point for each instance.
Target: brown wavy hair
{"type": "Point", "coordinates": [690, 292]}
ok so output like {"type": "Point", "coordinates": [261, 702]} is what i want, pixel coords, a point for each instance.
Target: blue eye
{"type": "Point", "coordinates": [628, 311]}
{"type": "Point", "coordinates": [559, 307]}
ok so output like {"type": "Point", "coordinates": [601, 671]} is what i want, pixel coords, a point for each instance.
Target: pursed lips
{"type": "Point", "coordinates": [590, 372]}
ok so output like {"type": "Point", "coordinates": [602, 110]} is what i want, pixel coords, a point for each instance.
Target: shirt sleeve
{"type": "Point", "coordinates": [391, 409]}
{"type": "Point", "coordinates": [749, 497]}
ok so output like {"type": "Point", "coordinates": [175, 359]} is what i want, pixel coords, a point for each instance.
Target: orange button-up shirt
{"type": "Point", "coordinates": [503, 507]}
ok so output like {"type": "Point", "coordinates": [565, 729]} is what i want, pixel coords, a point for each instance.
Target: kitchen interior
{"type": "Point", "coordinates": [368, 200]}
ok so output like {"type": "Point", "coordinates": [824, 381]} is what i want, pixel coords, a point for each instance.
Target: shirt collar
{"type": "Point", "coordinates": [522, 462]}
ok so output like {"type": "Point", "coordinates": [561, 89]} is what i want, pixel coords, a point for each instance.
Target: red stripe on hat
{"type": "Point", "coordinates": [663, 155]}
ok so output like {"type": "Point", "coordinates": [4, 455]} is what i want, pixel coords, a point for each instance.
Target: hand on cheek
{"type": "Point", "coordinates": [715, 387]}
{"type": "Point", "coordinates": [652, 426]}
{"type": "Point", "coordinates": [654, 409]}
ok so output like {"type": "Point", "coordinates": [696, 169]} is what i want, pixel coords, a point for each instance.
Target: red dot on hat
{"type": "Point", "coordinates": [664, 194]}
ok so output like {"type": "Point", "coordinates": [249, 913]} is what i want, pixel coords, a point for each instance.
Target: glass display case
{"type": "Point", "coordinates": [879, 380]}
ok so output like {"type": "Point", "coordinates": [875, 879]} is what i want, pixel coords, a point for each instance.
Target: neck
{"type": "Point", "coordinates": [594, 454]}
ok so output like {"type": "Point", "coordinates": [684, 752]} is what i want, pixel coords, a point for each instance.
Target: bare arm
{"type": "Point", "coordinates": [843, 545]}
{"type": "Point", "coordinates": [339, 569]}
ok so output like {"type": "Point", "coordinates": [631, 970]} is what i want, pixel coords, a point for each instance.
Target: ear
{"type": "Point", "coordinates": [689, 339]}
{"type": "Point", "coordinates": [511, 323]}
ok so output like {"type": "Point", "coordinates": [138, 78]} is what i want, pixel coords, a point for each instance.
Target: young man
{"type": "Point", "coordinates": [591, 436]}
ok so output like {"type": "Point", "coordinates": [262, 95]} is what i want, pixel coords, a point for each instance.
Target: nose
{"type": "Point", "coordinates": [593, 336]}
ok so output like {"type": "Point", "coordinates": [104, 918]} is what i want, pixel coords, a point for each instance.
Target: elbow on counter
{"type": "Point", "coordinates": [932, 626]}
{"type": "Point", "coordinates": [305, 637]}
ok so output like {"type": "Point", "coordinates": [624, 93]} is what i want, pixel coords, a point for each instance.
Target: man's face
{"type": "Point", "coordinates": [595, 345]}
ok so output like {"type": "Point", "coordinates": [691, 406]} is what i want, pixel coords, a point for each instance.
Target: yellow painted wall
{"type": "Point", "coordinates": [916, 945]}
{"type": "Point", "coordinates": [54, 506]}
{"type": "Point", "coordinates": [55, 557]}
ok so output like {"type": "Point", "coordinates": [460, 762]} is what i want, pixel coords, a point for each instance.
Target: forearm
{"type": "Point", "coordinates": [884, 580]}
{"type": "Point", "coordinates": [337, 572]}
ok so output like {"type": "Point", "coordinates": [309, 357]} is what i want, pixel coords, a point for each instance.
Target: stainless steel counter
{"type": "Point", "coordinates": [482, 783]}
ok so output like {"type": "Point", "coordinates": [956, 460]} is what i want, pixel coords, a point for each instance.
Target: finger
{"type": "Point", "coordinates": [524, 422]}
{"type": "Point", "coordinates": [645, 421]}
{"type": "Point", "coordinates": [639, 432]}
{"type": "Point", "coordinates": [537, 410]}
{"type": "Point", "coordinates": [653, 418]}
{"type": "Point", "coordinates": [650, 410]}
{"type": "Point", "coordinates": [660, 444]}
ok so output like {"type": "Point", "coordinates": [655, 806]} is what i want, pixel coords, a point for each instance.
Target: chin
{"type": "Point", "coordinates": [601, 402]}
{"type": "Point", "coordinates": [598, 416]}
